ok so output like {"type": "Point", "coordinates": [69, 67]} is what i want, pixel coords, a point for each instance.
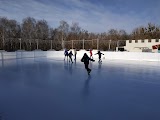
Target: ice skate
{"type": "Point", "coordinates": [89, 71]}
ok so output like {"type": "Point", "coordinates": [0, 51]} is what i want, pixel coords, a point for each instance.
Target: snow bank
{"type": "Point", "coordinates": [60, 55]}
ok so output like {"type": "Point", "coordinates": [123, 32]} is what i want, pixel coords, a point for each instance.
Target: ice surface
{"type": "Point", "coordinates": [53, 89]}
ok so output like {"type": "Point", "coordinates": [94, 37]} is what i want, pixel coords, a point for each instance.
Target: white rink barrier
{"type": "Point", "coordinates": [138, 56]}
{"type": "Point", "coordinates": [21, 54]}
{"type": "Point", "coordinates": [60, 54]}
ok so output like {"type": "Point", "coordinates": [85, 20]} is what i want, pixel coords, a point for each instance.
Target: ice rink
{"type": "Point", "coordinates": [54, 89]}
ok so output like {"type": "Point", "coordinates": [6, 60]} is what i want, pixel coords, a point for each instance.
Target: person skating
{"type": "Point", "coordinates": [86, 60]}
{"type": "Point", "coordinates": [75, 54]}
{"type": "Point", "coordinates": [65, 54]}
{"type": "Point", "coordinates": [91, 54]}
{"type": "Point", "coordinates": [99, 55]}
{"type": "Point", "coordinates": [70, 56]}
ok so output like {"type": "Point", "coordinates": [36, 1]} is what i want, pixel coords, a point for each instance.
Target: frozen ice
{"type": "Point", "coordinates": [54, 89]}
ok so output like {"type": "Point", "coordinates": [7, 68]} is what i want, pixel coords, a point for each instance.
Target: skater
{"type": "Point", "coordinates": [65, 54]}
{"type": "Point", "coordinates": [99, 55]}
{"type": "Point", "coordinates": [86, 60]}
{"type": "Point", "coordinates": [70, 56]}
{"type": "Point", "coordinates": [91, 55]}
{"type": "Point", "coordinates": [75, 53]}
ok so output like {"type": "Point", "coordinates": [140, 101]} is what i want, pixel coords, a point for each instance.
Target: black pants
{"type": "Point", "coordinates": [100, 58]}
{"type": "Point", "coordinates": [70, 58]}
{"type": "Point", "coordinates": [86, 67]}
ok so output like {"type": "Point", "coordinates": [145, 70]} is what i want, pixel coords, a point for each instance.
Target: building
{"type": "Point", "coordinates": [146, 45]}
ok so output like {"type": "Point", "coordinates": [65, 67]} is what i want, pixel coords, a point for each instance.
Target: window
{"type": "Point", "coordinates": [149, 40]}
{"type": "Point", "coordinates": [130, 41]}
{"type": "Point", "coordinates": [136, 41]}
{"type": "Point", "coordinates": [157, 40]}
{"type": "Point", "coordinates": [142, 41]}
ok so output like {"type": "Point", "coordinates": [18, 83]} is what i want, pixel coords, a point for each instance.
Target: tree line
{"type": "Point", "coordinates": [34, 34]}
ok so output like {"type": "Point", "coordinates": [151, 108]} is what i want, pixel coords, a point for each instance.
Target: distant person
{"type": "Point", "coordinates": [86, 60]}
{"type": "Point", "coordinates": [99, 55]}
{"type": "Point", "coordinates": [75, 54]}
{"type": "Point", "coordinates": [65, 54]}
{"type": "Point", "coordinates": [91, 54]}
{"type": "Point", "coordinates": [70, 56]}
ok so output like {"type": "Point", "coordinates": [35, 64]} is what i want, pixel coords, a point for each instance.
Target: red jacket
{"type": "Point", "coordinates": [90, 52]}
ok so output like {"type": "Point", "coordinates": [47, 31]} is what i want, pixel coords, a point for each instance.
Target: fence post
{"type": "Point", "coordinates": [72, 44]}
{"type": "Point", "coordinates": [51, 44]}
{"type": "Point", "coordinates": [3, 39]}
{"type": "Point", "coordinates": [2, 59]}
{"type": "Point", "coordinates": [37, 44]}
{"type": "Point", "coordinates": [20, 43]}
{"type": "Point", "coordinates": [62, 41]}
{"type": "Point", "coordinates": [97, 43]}
{"type": "Point", "coordinates": [83, 44]}
{"type": "Point", "coordinates": [110, 44]}
{"type": "Point", "coordinates": [118, 43]}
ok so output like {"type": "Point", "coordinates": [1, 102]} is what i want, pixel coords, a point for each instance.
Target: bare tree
{"type": "Point", "coordinates": [42, 30]}
{"type": "Point", "coordinates": [42, 34]}
{"type": "Point", "coordinates": [28, 32]}
{"type": "Point", "coordinates": [13, 31]}
{"type": "Point", "coordinates": [113, 34]}
{"type": "Point", "coordinates": [74, 31]}
{"type": "Point", "coordinates": [150, 32]}
{"type": "Point", "coordinates": [37, 34]}
{"type": "Point", "coordinates": [64, 29]}
{"type": "Point", "coordinates": [3, 31]}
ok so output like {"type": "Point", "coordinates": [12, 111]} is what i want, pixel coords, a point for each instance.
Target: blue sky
{"type": "Point", "coordinates": [92, 15]}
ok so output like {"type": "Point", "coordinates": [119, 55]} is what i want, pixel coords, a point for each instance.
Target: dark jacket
{"type": "Point", "coordinates": [66, 52]}
{"type": "Point", "coordinates": [86, 59]}
{"type": "Point", "coordinates": [70, 54]}
{"type": "Point", "coordinates": [99, 54]}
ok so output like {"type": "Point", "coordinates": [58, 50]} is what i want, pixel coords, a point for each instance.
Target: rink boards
{"type": "Point", "coordinates": [60, 55]}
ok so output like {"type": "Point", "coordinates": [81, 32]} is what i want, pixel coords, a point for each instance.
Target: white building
{"type": "Point", "coordinates": [145, 45]}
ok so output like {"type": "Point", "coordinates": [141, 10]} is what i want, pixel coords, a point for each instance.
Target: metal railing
{"type": "Point", "coordinates": [13, 44]}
